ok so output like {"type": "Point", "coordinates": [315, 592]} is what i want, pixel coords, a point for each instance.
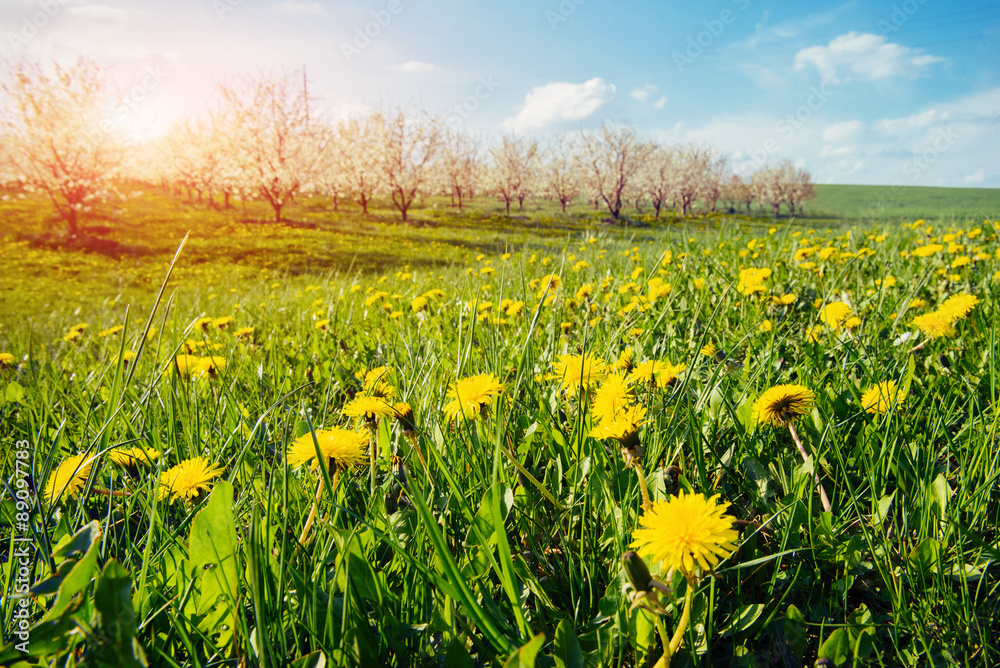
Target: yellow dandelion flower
{"type": "Point", "coordinates": [623, 427]}
{"type": "Point", "coordinates": [834, 314]}
{"type": "Point", "coordinates": [782, 404]}
{"type": "Point", "coordinates": [957, 307]}
{"type": "Point", "coordinates": [472, 396]}
{"type": "Point", "coordinates": [222, 323]}
{"type": "Point", "coordinates": [203, 323]}
{"type": "Point", "coordinates": [765, 326]}
{"type": "Point", "coordinates": [613, 396]}
{"type": "Point", "coordinates": [879, 398]}
{"type": "Point", "coordinates": [549, 284]}
{"type": "Point", "coordinates": [368, 407]}
{"type": "Point", "coordinates": [709, 349]}
{"type": "Point", "coordinates": [752, 280]}
{"type": "Point", "coordinates": [110, 331]}
{"type": "Point", "coordinates": [928, 250]}
{"type": "Point", "coordinates": [657, 373]}
{"type": "Point", "coordinates": [685, 532]}
{"type": "Point", "coordinates": [404, 415]}
{"type": "Point", "coordinates": [244, 333]}
{"type": "Point", "coordinates": [340, 448]}
{"type": "Point", "coordinates": [131, 459]}
{"type": "Point", "coordinates": [624, 362]}
{"type": "Point", "coordinates": [209, 366]}
{"type": "Point", "coordinates": [419, 304]}
{"type": "Point", "coordinates": [189, 479]}
{"type": "Point", "coordinates": [69, 477]}
{"type": "Point", "coordinates": [934, 325]}
{"type": "Point", "coordinates": [577, 370]}
{"type": "Point", "coordinates": [6, 359]}
{"type": "Point", "coordinates": [185, 365]}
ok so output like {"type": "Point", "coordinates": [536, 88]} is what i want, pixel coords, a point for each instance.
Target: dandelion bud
{"type": "Point", "coordinates": [636, 571]}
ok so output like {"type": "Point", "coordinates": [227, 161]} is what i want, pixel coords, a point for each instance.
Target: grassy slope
{"type": "Point", "coordinates": [904, 202]}
{"type": "Point", "coordinates": [226, 248]}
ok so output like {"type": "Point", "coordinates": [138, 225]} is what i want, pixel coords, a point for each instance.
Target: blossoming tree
{"type": "Point", "coordinates": [58, 135]}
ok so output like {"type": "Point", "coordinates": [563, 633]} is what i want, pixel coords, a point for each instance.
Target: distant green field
{"type": "Point", "coordinates": [904, 202]}
{"type": "Point", "coordinates": [129, 242]}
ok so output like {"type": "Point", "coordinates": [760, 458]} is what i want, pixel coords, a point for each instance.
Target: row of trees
{"type": "Point", "coordinates": [263, 139]}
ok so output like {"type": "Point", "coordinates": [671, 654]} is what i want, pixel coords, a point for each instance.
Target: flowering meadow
{"type": "Point", "coordinates": [754, 444]}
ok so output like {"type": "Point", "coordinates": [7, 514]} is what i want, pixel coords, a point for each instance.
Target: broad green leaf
{"type": "Point", "coordinates": [924, 557]}
{"type": "Point", "coordinates": [525, 656]}
{"type": "Point", "coordinates": [14, 393]}
{"type": "Point", "coordinates": [940, 493]}
{"type": "Point", "coordinates": [315, 660]}
{"type": "Point", "coordinates": [837, 647]}
{"type": "Point", "coordinates": [795, 631]}
{"type": "Point", "coordinates": [567, 651]}
{"type": "Point", "coordinates": [116, 620]}
{"type": "Point", "coordinates": [212, 555]}
{"type": "Point", "coordinates": [79, 577]}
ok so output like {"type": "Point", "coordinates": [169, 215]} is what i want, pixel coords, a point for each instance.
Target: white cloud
{"type": "Point", "coordinates": [662, 101]}
{"type": "Point", "coordinates": [840, 132]}
{"type": "Point", "coordinates": [830, 152]}
{"type": "Point", "coordinates": [901, 126]}
{"type": "Point", "coordinates": [642, 93]}
{"type": "Point", "coordinates": [866, 55]}
{"type": "Point", "coordinates": [296, 7]}
{"type": "Point", "coordinates": [974, 177]}
{"type": "Point", "coordinates": [555, 102]}
{"type": "Point", "coordinates": [414, 67]}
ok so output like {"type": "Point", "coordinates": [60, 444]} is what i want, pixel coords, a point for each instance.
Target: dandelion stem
{"type": "Point", "coordinates": [664, 661]}
{"type": "Point", "coordinates": [675, 642]}
{"type": "Point", "coordinates": [109, 492]}
{"type": "Point", "coordinates": [304, 536]}
{"type": "Point", "coordinates": [805, 457]}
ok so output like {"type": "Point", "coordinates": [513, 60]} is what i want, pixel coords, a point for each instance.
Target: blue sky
{"type": "Point", "coordinates": [858, 92]}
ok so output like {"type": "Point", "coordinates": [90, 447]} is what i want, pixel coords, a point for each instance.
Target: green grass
{"type": "Point", "coordinates": [466, 542]}
{"type": "Point", "coordinates": [907, 203]}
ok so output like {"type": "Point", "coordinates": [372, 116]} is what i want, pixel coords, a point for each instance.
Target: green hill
{"type": "Point", "coordinates": [903, 202]}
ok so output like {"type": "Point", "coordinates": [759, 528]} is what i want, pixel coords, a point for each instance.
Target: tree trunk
{"type": "Point", "coordinates": [226, 195]}
{"type": "Point", "coordinates": [507, 202]}
{"type": "Point", "coordinates": [776, 208]}
{"type": "Point", "coordinates": [277, 212]}
{"type": "Point", "coordinates": [71, 220]}
{"type": "Point", "coordinates": [336, 201]}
